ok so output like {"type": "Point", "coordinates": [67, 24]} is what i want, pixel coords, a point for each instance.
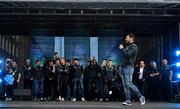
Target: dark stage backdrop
{"type": "Point", "coordinates": [77, 47]}
{"type": "Point", "coordinates": [41, 48]}
{"type": "Point", "coordinates": [109, 48]}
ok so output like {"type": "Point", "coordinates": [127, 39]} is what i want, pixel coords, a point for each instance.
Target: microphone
{"type": "Point", "coordinates": [122, 44]}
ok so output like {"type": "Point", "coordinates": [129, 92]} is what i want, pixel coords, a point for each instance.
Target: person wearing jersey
{"type": "Point", "coordinates": [9, 82]}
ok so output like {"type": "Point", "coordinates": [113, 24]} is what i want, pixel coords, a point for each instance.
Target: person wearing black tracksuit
{"type": "Point", "coordinates": [94, 78]}
{"type": "Point", "coordinates": [64, 78]}
{"type": "Point", "coordinates": [86, 79]}
{"type": "Point", "coordinates": [109, 74]}
{"type": "Point", "coordinates": [70, 84]}
{"type": "Point", "coordinates": [153, 82]}
{"type": "Point", "coordinates": [50, 80]}
{"type": "Point", "coordinates": [77, 77]}
{"type": "Point", "coordinates": [57, 79]}
{"type": "Point", "coordinates": [166, 79]}
{"type": "Point", "coordinates": [27, 70]}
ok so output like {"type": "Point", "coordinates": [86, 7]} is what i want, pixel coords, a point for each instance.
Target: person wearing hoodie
{"type": "Point", "coordinates": [94, 79]}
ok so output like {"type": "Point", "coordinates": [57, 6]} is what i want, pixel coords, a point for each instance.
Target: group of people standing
{"type": "Point", "coordinates": [154, 82]}
{"type": "Point", "coordinates": [55, 79]}
{"type": "Point", "coordinates": [59, 79]}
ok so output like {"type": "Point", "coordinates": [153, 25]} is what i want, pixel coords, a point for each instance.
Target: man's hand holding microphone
{"type": "Point", "coordinates": [121, 46]}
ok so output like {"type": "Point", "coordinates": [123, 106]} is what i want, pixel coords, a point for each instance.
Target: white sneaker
{"type": "Point", "coordinates": [142, 100]}
{"type": "Point", "coordinates": [82, 99]}
{"type": "Point", "coordinates": [7, 99]}
{"type": "Point", "coordinates": [110, 92]}
{"type": "Point", "coordinates": [41, 99]}
{"type": "Point", "coordinates": [59, 99]}
{"type": "Point", "coordinates": [62, 99]}
{"type": "Point", "coordinates": [10, 99]}
{"type": "Point", "coordinates": [127, 103]}
{"type": "Point", "coordinates": [74, 99]}
{"type": "Point", "coordinates": [101, 100]}
{"type": "Point", "coordinates": [35, 99]}
{"type": "Point", "coordinates": [107, 99]}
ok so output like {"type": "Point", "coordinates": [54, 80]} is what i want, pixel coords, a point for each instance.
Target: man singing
{"type": "Point", "coordinates": [129, 54]}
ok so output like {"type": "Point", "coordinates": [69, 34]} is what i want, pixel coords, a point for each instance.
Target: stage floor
{"type": "Point", "coordinates": [85, 105]}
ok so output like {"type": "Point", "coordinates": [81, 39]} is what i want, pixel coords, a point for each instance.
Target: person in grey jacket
{"type": "Point", "coordinates": [129, 54]}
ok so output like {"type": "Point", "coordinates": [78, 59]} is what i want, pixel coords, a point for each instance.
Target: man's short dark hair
{"type": "Point", "coordinates": [51, 60]}
{"type": "Point", "coordinates": [76, 59]}
{"type": "Point", "coordinates": [109, 59]}
{"type": "Point", "coordinates": [38, 60]}
{"type": "Point", "coordinates": [55, 53]}
{"type": "Point", "coordinates": [89, 61]}
{"type": "Point", "coordinates": [67, 60]}
{"type": "Point", "coordinates": [104, 59]}
{"type": "Point", "coordinates": [14, 61]}
{"type": "Point", "coordinates": [131, 36]}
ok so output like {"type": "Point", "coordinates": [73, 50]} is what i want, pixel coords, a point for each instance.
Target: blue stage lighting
{"type": "Point", "coordinates": [178, 64]}
{"type": "Point", "coordinates": [0, 71]}
{"type": "Point", "coordinates": [0, 61]}
{"type": "Point", "coordinates": [0, 80]}
{"type": "Point", "coordinates": [178, 53]}
{"type": "Point", "coordinates": [178, 75]}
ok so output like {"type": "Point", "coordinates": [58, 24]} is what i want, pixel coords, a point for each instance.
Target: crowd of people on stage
{"type": "Point", "coordinates": [62, 79]}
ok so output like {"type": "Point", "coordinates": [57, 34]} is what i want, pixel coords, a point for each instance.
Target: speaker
{"type": "Point", "coordinates": [22, 94]}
